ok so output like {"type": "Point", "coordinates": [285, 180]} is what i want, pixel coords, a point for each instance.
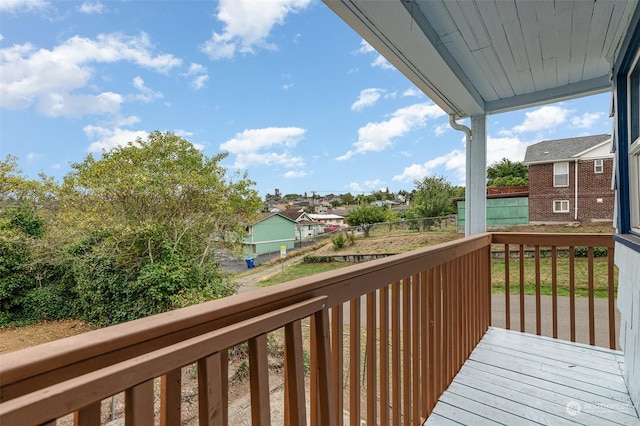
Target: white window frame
{"type": "Point", "coordinates": [557, 174]}
{"type": "Point", "coordinates": [598, 166]}
{"type": "Point", "coordinates": [634, 145]}
{"type": "Point", "coordinates": [562, 203]}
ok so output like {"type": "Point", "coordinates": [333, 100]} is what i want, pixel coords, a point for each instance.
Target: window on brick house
{"type": "Point", "coordinates": [598, 166]}
{"type": "Point", "coordinates": [561, 174]}
{"type": "Point", "coordinates": [561, 206]}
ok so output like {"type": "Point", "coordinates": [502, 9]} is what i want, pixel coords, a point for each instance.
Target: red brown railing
{"type": "Point", "coordinates": [385, 340]}
{"type": "Point", "coordinates": [559, 251]}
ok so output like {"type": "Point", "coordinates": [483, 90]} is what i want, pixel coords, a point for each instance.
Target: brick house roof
{"type": "Point", "coordinates": [562, 149]}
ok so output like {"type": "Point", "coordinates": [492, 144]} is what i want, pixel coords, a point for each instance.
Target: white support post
{"type": "Point", "coordinates": [476, 178]}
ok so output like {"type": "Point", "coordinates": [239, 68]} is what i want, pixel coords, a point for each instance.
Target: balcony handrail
{"type": "Point", "coordinates": [568, 242]}
{"type": "Point", "coordinates": [428, 308]}
{"type": "Point", "coordinates": [169, 327]}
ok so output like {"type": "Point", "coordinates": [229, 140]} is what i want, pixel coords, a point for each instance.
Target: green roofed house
{"type": "Point", "coordinates": [269, 234]}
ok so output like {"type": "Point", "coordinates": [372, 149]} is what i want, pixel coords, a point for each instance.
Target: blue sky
{"type": "Point", "coordinates": [294, 95]}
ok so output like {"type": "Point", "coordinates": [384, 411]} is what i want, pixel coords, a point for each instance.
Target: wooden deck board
{"type": "Point", "coordinates": [515, 378]}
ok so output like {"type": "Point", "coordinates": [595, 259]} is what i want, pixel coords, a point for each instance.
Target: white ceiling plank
{"type": "Point", "coordinates": [472, 17]}
{"type": "Point", "coordinates": [563, 51]}
{"type": "Point", "coordinates": [507, 10]}
{"type": "Point", "coordinates": [513, 31]}
{"type": "Point", "coordinates": [550, 71]}
{"type": "Point", "coordinates": [528, 22]}
{"type": "Point", "coordinates": [439, 17]}
{"type": "Point", "coordinates": [490, 66]}
{"type": "Point", "coordinates": [581, 20]}
{"type": "Point", "coordinates": [600, 22]}
{"type": "Point", "coordinates": [473, 41]}
{"type": "Point", "coordinates": [456, 45]}
{"type": "Point", "coordinates": [564, 6]}
{"type": "Point", "coordinates": [621, 16]}
{"type": "Point", "coordinates": [505, 57]}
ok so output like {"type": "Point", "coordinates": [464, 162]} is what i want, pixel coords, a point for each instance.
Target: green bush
{"type": "Point", "coordinates": [317, 259]}
{"type": "Point", "coordinates": [338, 241]}
{"type": "Point", "coordinates": [351, 236]}
{"type": "Point", "coordinates": [111, 289]}
{"type": "Point", "coordinates": [583, 251]}
{"type": "Point", "coordinates": [23, 298]}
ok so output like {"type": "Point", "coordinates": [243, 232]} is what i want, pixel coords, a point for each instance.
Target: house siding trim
{"type": "Point", "coordinates": [627, 241]}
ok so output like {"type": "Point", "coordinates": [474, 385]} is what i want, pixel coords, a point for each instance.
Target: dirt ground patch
{"type": "Point", "coordinates": [389, 244]}
{"type": "Point", "coordinates": [15, 338]}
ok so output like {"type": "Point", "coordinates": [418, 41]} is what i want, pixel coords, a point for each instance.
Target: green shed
{"type": "Point", "coordinates": [503, 210]}
{"type": "Point", "coordinates": [269, 234]}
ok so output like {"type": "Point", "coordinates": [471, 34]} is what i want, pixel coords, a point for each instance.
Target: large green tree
{"type": "Point", "coordinates": [432, 199]}
{"type": "Point", "coordinates": [507, 173]}
{"type": "Point", "coordinates": [153, 216]}
{"type": "Point", "coordinates": [367, 215]}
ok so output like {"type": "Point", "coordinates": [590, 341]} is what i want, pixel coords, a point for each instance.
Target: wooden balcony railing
{"type": "Point", "coordinates": [564, 256]}
{"type": "Point", "coordinates": [411, 321]}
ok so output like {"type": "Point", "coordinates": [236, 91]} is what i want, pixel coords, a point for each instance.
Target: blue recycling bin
{"type": "Point", "coordinates": [250, 263]}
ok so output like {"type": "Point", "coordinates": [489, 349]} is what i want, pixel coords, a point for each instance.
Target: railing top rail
{"type": "Point", "coordinates": [108, 345]}
{"type": "Point", "coordinates": [548, 239]}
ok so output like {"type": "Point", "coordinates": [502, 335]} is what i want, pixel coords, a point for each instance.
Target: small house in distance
{"type": "Point", "coordinates": [270, 232]}
{"type": "Point", "coordinates": [306, 228]}
{"type": "Point", "coordinates": [570, 180]}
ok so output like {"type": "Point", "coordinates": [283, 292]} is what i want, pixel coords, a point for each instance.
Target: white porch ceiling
{"type": "Point", "coordinates": [487, 56]}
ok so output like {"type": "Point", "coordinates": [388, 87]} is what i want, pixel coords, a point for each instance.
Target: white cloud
{"type": "Point", "coordinates": [367, 186]}
{"type": "Point", "coordinates": [247, 27]}
{"type": "Point", "coordinates": [546, 117]}
{"type": "Point", "coordinates": [379, 61]}
{"type": "Point", "coordinates": [455, 161]}
{"type": "Point", "coordinates": [413, 92]}
{"type": "Point", "coordinates": [293, 174]}
{"type": "Point", "coordinates": [440, 129]}
{"type": "Point", "coordinates": [91, 8]}
{"type": "Point", "coordinates": [367, 98]}
{"type": "Point", "coordinates": [379, 136]}
{"type": "Point", "coordinates": [125, 121]}
{"type": "Point", "coordinates": [19, 5]}
{"type": "Point", "coordinates": [108, 138]}
{"type": "Point", "coordinates": [146, 94]}
{"type": "Point", "coordinates": [355, 187]}
{"type": "Point", "coordinates": [587, 120]}
{"type": "Point", "coordinates": [70, 105]}
{"type": "Point", "coordinates": [53, 77]}
{"type": "Point", "coordinates": [199, 76]}
{"type": "Point", "coordinates": [259, 146]}
{"type": "Point", "coordinates": [33, 156]}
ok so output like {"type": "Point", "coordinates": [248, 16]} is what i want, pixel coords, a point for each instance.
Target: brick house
{"type": "Point", "coordinates": [570, 180]}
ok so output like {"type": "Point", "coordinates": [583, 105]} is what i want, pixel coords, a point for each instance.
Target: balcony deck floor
{"type": "Point", "coordinates": [514, 378]}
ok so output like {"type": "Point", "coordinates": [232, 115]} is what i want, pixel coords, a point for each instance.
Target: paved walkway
{"type": "Point", "coordinates": [248, 282]}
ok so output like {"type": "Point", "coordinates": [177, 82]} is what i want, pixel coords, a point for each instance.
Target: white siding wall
{"type": "Point", "coordinates": [628, 262]}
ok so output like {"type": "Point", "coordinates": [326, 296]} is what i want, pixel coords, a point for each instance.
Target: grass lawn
{"type": "Point", "coordinates": [580, 273]}
{"type": "Point", "coordinates": [300, 270]}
